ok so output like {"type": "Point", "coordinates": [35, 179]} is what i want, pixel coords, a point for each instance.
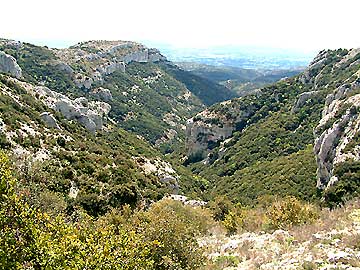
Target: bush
{"type": "Point", "coordinates": [232, 222]}
{"type": "Point", "coordinates": [290, 211]}
{"type": "Point", "coordinates": [30, 239]}
{"type": "Point", "coordinates": [176, 227]}
{"type": "Point", "coordinates": [220, 207]}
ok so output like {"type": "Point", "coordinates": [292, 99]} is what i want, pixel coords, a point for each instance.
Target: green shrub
{"type": "Point", "coordinates": [232, 222]}
{"type": "Point", "coordinates": [176, 227]}
{"type": "Point", "coordinates": [222, 262]}
{"type": "Point", "coordinates": [220, 207]}
{"type": "Point", "coordinates": [30, 239]}
{"type": "Point", "coordinates": [290, 211]}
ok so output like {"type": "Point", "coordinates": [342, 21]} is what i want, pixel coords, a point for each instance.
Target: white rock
{"type": "Point", "coordinates": [9, 65]}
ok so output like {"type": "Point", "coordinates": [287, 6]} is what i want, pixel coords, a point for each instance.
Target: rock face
{"type": "Point", "coordinates": [302, 98]}
{"type": "Point", "coordinates": [162, 169]}
{"type": "Point", "coordinates": [91, 114]}
{"type": "Point", "coordinates": [210, 127]}
{"type": "Point", "coordinates": [9, 65]}
{"type": "Point", "coordinates": [338, 126]}
{"type": "Point", "coordinates": [317, 64]}
{"type": "Point", "coordinates": [340, 123]}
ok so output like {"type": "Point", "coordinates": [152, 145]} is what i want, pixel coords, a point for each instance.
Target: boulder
{"type": "Point", "coordinates": [49, 120]}
{"type": "Point", "coordinates": [9, 65]}
{"type": "Point", "coordinates": [65, 67]}
{"type": "Point", "coordinates": [302, 98]}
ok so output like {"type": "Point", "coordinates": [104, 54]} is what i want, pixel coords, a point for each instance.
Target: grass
{"type": "Point", "coordinates": [306, 246]}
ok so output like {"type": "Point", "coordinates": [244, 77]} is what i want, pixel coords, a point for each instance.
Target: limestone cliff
{"type": "Point", "coordinates": [91, 114]}
{"type": "Point", "coordinates": [338, 128]}
{"type": "Point", "coordinates": [212, 126]}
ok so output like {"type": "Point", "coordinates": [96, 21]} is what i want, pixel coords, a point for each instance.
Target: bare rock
{"type": "Point", "coordinates": [49, 119]}
{"type": "Point", "coordinates": [209, 128]}
{"type": "Point", "coordinates": [65, 67]}
{"type": "Point", "coordinates": [302, 98]}
{"type": "Point", "coordinates": [9, 65]}
{"type": "Point", "coordinates": [91, 114]}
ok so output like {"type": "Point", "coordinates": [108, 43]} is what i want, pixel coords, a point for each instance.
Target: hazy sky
{"type": "Point", "coordinates": [294, 24]}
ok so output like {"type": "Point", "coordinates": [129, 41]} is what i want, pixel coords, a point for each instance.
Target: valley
{"type": "Point", "coordinates": [100, 141]}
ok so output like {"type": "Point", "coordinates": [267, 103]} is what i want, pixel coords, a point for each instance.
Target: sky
{"type": "Point", "coordinates": [305, 25]}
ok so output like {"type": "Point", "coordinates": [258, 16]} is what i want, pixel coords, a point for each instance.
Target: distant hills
{"type": "Point", "coordinates": [239, 56]}
{"type": "Point", "coordinates": [241, 80]}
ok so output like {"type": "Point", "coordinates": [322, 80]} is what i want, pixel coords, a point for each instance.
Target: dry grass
{"type": "Point", "coordinates": [329, 220]}
{"type": "Point", "coordinates": [308, 246]}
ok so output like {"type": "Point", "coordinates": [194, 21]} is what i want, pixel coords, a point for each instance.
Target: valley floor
{"type": "Point", "coordinates": [331, 243]}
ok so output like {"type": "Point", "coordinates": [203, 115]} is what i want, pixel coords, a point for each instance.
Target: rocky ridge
{"type": "Point", "coordinates": [103, 58]}
{"type": "Point", "coordinates": [339, 124]}
{"type": "Point", "coordinates": [91, 114]}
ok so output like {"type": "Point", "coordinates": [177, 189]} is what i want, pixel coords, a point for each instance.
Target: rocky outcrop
{"type": "Point", "coordinates": [9, 65]}
{"type": "Point", "coordinates": [91, 114]}
{"type": "Point", "coordinates": [65, 67]}
{"type": "Point", "coordinates": [162, 169]}
{"type": "Point", "coordinates": [102, 94]}
{"type": "Point", "coordinates": [104, 58]}
{"type": "Point", "coordinates": [110, 67]}
{"type": "Point", "coordinates": [201, 136]}
{"type": "Point", "coordinates": [185, 200]}
{"type": "Point", "coordinates": [82, 80]}
{"type": "Point", "coordinates": [49, 120]}
{"type": "Point", "coordinates": [210, 127]}
{"type": "Point", "coordinates": [317, 64]}
{"type": "Point", "coordinates": [302, 98]}
{"type": "Point", "coordinates": [339, 124]}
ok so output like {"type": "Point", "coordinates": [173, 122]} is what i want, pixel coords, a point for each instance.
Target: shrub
{"type": "Point", "coordinates": [222, 262]}
{"type": "Point", "coordinates": [220, 207]}
{"type": "Point", "coordinates": [30, 239]}
{"type": "Point", "coordinates": [290, 211]}
{"type": "Point", "coordinates": [175, 227]}
{"type": "Point", "coordinates": [232, 222]}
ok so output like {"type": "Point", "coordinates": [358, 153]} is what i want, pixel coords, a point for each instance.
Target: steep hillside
{"type": "Point", "coordinates": [139, 83]}
{"type": "Point", "coordinates": [262, 144]}
{"type": "Point", "coordinates": [64, 116]}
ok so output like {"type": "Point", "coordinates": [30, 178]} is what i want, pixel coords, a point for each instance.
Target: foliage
{"type": "Point", "coordinates": [176, 227]}
{"type": "Point", "coordinates": [289, 212]}
{"type": "Point", "coordinates": [161, 238]}
{"type": "Point", "coordinates": [347, 186]}
{"type": "Point", "coordinates": [294, 175]}
{"type": "Point", "coordinates": [232, 222]}
{"type": "Point", "coordinates": [220, 207]}
{"type": "Point", "coordinates": [223, 262]}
